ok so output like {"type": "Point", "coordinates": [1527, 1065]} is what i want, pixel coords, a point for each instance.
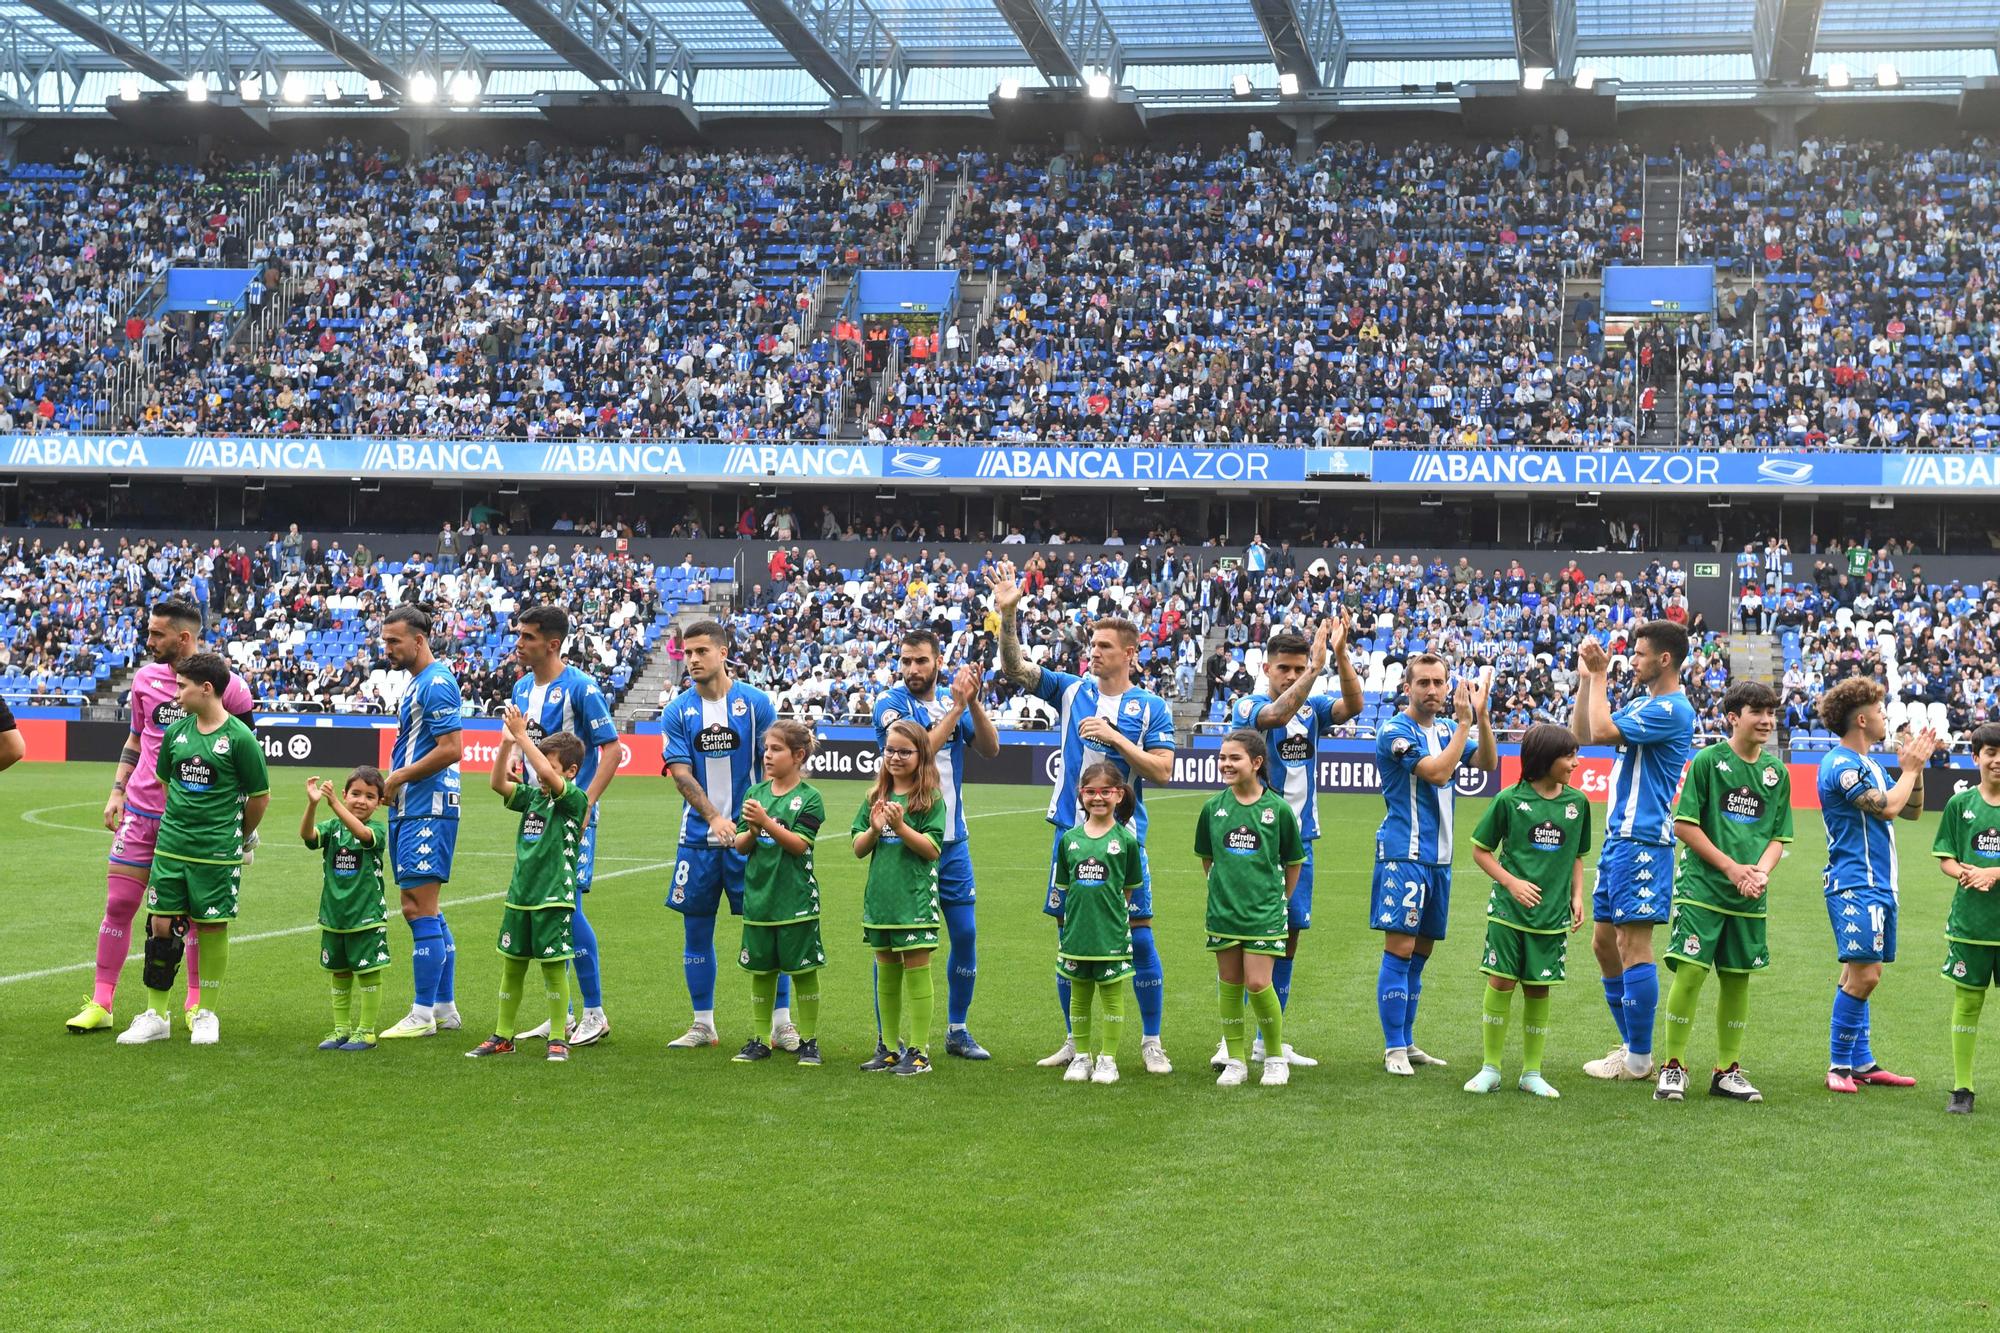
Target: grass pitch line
{"type": "Point", "coordinates": [308, 929]}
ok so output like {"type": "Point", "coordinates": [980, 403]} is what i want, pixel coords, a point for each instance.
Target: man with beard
{"type": "Point", "coordinates": [954, 722]}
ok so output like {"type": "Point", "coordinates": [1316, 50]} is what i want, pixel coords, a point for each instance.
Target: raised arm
{"type": "Point", "coordinates": [544, 769]}
{"type": "Point", "coordinates": [1282, 709]}
{"type": "Point", "coordinates": [1352, 701]}
{"type": "Point", "coordinates": [1905, 800]}
{"type": "Point", "coordinates": [308, 826]}
{"type": "Point", "coordinates": [1007, 601]}
{"type": "Point", "coordinates": [1437, 769]}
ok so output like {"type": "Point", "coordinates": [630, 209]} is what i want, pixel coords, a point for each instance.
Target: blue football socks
{"type": "Point", "coordinates": [1148, 981]}
{"type": "Point", "coordinates": [1392, 999]}
{"type": "Point", "coordinates": [584, 940]}
{"type": "Point", "coordinates": [1642, 997]}
{"type": "Point", "coordinates": [963, 969]}
{"type": "Point", "coordinates": [1614, 995]}
{"type": "Point", "coordinates": [426, 958]}
{"type": "Point", "coordinates": [698, 961]}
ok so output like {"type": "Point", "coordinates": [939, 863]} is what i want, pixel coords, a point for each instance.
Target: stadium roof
{"type": "Point", "coordinates": [800, 55]}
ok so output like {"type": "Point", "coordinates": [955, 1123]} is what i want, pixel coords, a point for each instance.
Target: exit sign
{"type": "Point", "coordinates": [1702, 571]}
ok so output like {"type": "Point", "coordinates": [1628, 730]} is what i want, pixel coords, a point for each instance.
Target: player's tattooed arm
{"type": "Point", "coordinates": [1007, 593]}
{"type": "Point", "coordinates": [1873, 802]}
{"type": "Point", "coordinates": [695, 794]}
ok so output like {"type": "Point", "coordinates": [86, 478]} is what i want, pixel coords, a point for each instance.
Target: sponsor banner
{"type": "Point", "coordinates": [331, 748]}
{"type": "Point", "coordinates": [307, 456]}
{"type": "Point", "coordinates": [638, 753]}
{"type": "Point", "coordinates": [1234, 465]}
{"type": "Point", "coordinates": [1240, 465]}
{"type": "Point", "coordinates": [1633, 469]}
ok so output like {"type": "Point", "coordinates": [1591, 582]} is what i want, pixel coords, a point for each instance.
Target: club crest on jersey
{"type": "Point", "coordinates": [1770, 777]}
{"type": "Point", "coordinates": [738, 707]}
{"type": "Point", "coordinates": [1131, 708]}
{"type": "Point", "coordinates": [555, 695]}
{"type": "Point", "coordinates": [1569, 811]}
{"type": "Point", "coordinates": [890, 716]}
{"type": "Point", "coordinates": [1113, 847]}
{"type": "Point", "coordinates": [221, 745]}
{"type": "Point", "coordinates": [1849, 776]}
{"type": "Point", "coordinates": [1267, 817]}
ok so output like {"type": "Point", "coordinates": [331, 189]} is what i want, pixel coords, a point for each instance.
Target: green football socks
{"type": "Point", "coordinates": [343, 1001]}
{"type": "Point", "coordinates": [763, 999]}
{"type": "Point", "coordinates": [1230, 997]}
{"type": "Point", "coordinates": [1534, 1031]}
{"type": "Point", "coordinates": [1110, 1025]}
{"type": "Point", "coordinates": [921, 995]}
{"type": "Point", "coordinates": [555, 988]}
{"type": "Point", "coordinates": [1493, 1025]}
{"type": "Point", "coordinates": [1965, 1007]}
{"type": "Point", "coordinates": [805, 1003]}
{"type": "Point", "coordinates": [367, 1000]}
{"type": "Point", "coordinates": [889, 995]}
{"type": "Point", "coordinates": [1270, 1017]}
{"type": "Point", "coordinates": [1082, 1030]}
{"type": "Point", "coordinates": [1682, 998]}
{"type": "Point", "coordinates": [513, 976]}
{"type": "Point", "coordinates": [1732, 1016]}
{"type": "Point", "coordinates": [214, 962]}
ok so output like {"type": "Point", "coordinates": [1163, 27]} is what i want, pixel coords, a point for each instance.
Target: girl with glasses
{"type": "Point", "coordinates": [1098, 866]}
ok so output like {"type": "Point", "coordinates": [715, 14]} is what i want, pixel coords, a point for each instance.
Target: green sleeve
{"type": "Point", "coordinates": [574, 801]}
{"type": "Point", "coordinates": [1945, 841]}
{"type": "Point", "coordinates": [1492, 828]}
{"type": "Point", "coordinates": [1202, 846]}
{"type": "Point", "coordinates": [162, 766]}
{"type": "Point", "coordinates": [251, 770]}
{"type": "Point", "coordinates": [521, 797]}
{"type": "Point", "coordinates": [1583, 835]}
{"type": "Point", "coordinates": [1291, 847]}
{"type": "Point", "coordinates": [380, 829]}
{"type": "Point", "coordinates": [1135, 865]}
{"type": "Point", "coordinates": [860, 824]}
{"type": "Point", "coordinates": [931, 821]}
{"type": "Point", "coordinates": [1694, 790]}
{"type": "Point", "coordinates": [326, 830]}
{"type": "Point", "coordinates": [811, 816]}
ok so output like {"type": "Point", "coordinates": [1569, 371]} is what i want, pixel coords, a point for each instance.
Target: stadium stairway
{"type": "Point", "coordinates": [1756, 657]}
{"type": "Point", "coordinates": [642, 699]}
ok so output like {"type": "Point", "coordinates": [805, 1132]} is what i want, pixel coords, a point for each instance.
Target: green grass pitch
{"type": "Point", "coordinates": [263, 1184]}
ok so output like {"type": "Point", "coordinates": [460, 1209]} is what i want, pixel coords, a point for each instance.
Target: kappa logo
{"type": "Point", "coordinates": [1387, 918]}
{"type": "Point", "coordinates": [1645, 858]}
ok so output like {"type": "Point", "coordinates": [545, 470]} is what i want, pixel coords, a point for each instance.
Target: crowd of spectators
{"type": "Point", "coordinates": [301, 620]}
{"type": "Point", "coordinates": [80, 239]}
{"type": "Point", "coordinates": [552, 292]}
{"type": "Point", "coordinates": [1360, 296]}
{"type": "Point", "coordinates": [1870, 322]}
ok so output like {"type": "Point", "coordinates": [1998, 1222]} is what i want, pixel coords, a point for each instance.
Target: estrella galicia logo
{"type": "Point", "coordinates": [909, 463]}
{"type": "Point", "coordinates": [1785, 471]}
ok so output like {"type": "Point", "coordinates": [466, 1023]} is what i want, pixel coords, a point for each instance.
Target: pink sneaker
{"type": "Point", "coordinates": [1841, 1080]}
{"type": "Point", "coordinates": [1882, 1078]}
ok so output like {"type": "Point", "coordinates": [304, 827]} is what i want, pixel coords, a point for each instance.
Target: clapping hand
{"type": "Point", "coordinates": [1591, 658]}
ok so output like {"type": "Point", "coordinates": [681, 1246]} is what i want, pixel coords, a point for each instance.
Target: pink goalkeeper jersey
{"type": "Point", "coordinates": [153, 711]}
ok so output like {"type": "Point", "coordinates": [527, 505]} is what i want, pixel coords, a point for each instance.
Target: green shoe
{"type": "Point", "coordinates": [359, 1041]}
{"type": "Point", "coordinates": [335, 1040]}
{"type": "Point", "coordinates": [93, 1017]}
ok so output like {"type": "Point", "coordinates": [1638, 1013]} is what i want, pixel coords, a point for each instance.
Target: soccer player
{"type": "Point", "coordinates": [1103, 715]}
{"type": "Point", "coordinates": [1248, 840]}
{"type": "Point", "coordinates": [1100, 872]}
{"type": "Point", "coordinates": [555, 696]}
{"type": "Point", "coordinates": [713, 746]}
{"type": "Point", "coordinates": [1418, 754]}
{"type": "Point", "coordinates": [1531, 841]}
{"type": "Point", "coordinates": [353, 910]}
{"type": "Point", "coordinates": [173, 634]}
{"type": "Point", "coordinates": [535, 924]}
{"type": "Point", "coordinates": [1654, 733]}
{"type": "Point", "coordinates": [900, 829]}
{"type": "Point", "coordinates": [1733, 819]}
{"type": "Point", "coordinates": [1858, 803]}
{"type": "Point", "coordinates": [778, 830]}
{"type": "Point", "coordinates": [954, 722]}
{"type": "Point", "coordinates": [1967, 847]}
{"type": "Point", "coordinates": [1292, 720]}
{"type": "Point", "coordinates": [217, 790]}
{"type": "Point", "coordinates": [423, 798]}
